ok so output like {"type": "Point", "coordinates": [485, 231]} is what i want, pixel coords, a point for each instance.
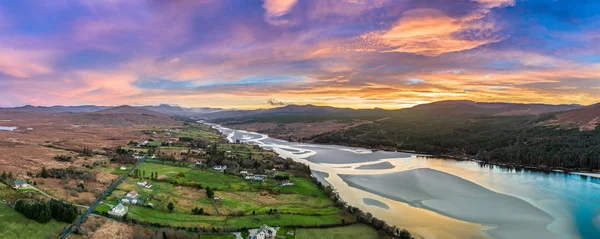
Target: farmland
{"type": "Point", "coordinates": [242, 203]}
{"type": "Point", "coordinates": [356, 231]}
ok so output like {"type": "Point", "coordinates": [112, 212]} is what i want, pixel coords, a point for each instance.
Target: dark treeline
{"type": "Point", "coordinates": [516, 140]}
{"type": "Point", "coordinates": [67, 173]}
{"type": "Point", "coordinates": [43, 212]}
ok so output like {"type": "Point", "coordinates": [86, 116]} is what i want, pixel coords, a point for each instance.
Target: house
{"type": "Point", "coordinates": [20, 184]}
{"type": "Point", "coordinates": [216, 199]}
{"type": "Point", "coordinates": [243, 172]}
{"type": "Point", "coordinates": [130, 200]}
{"type": "Point", "coordinates": [133, 194]}
{"type": "Point", "coordinates": [264, 232]}
{"type": "Point", "coordinates": [144, 184]}
{"type": "Point", "coordinates": [219, 167]}
{"type": "Point", "coordinates": [123, 168]}
{"type": "Point", "coordinates": [259, 177]}
{"type": "Point", "coordinates": [286, 183]}
{"type": "Point", "coordinates": [249, 177]}
{"type": "Point", "coordinates": [118, 210]}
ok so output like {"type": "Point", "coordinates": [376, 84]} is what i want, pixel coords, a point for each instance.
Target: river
{"type": "Point", "coordinates": [444, 198]}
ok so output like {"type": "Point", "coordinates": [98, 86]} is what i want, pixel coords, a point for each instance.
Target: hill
{"type": "Point", "coordinates": [586, 118]}
{"type": "Point", "coordinates": [56, 109]}
{"type": "Point", "coordinates": [121, 116]}
{"type": "Point", "coordinates": [126, 109]}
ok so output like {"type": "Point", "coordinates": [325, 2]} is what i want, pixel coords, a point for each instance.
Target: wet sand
{"type": "Point", "coordinates": [375, 202]}
{"type": "Point", "coordinates": [382, 165]}
{"type": "Point", "coordinates": [455, 197]}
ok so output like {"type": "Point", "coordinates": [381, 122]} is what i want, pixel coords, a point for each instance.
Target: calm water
{"type": "Point", "coordinates": [458, 198]}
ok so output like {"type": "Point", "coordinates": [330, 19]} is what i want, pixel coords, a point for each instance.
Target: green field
{"type": "Point", "coordinates": [249, 201]}
{"type": "Point", "coordinates": [356, 231]}
{"type": "Point", "coordinates": [195, 130]}
{"type": "Point", "coordinates": [14, 225]}
{"type": "Point", "coordinates": [231, 223]}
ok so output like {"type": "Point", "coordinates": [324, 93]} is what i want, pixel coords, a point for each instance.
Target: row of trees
{"type": "Point", "coordinates": [364, 217]}
{"type": "Point", "coordinates": [43, 212]}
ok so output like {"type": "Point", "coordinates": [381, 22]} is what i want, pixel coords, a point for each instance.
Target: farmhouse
{"type": "Point", "coordinates": [133, 194]}
{"type": "Point", "coordinates": [118, 210]}
{"type": "Point", "coordinates": [264, 232]}
{"type": "Point", "coordinates": [20, 184]}
{"type": "Point", "coordinates": [144, 184]}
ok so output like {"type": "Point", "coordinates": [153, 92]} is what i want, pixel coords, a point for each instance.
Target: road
{"type": "Point", "coordinates": [98, 200]}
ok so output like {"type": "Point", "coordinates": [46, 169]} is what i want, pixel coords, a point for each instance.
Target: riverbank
{"type": "Point", "coordinates": [471, 158]}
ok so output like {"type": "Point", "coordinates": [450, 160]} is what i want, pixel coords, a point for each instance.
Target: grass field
{"type": "Point", "coordinates": [355, 231]}
{"type": "Point", "coordinates": [187, 220]}
{"type": "Point", "coordinates": [13, 225]}
{"type": "Point", "coordinates": [203, 131]}
{"type": "Point", "coordinates": [296, 205]}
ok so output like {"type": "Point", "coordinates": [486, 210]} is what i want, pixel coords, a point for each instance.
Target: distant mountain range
{"type": "Point", "coordinates": [163, 108]}
{"type": "Point", "coordinates": [584, 116]}
{"type": "Point", "coordinates": [457, 107]}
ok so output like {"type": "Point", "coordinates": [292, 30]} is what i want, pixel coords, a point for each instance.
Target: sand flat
{"type": "Point", "coordinates": [455, 197]}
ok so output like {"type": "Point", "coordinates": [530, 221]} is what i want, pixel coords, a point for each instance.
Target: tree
{"type": "Point", "coordinates": [404, 234]}
{"type": "Point", "coordinates": [45, 173]}
{"type": "Point", "coordinates": [209, 193]}
{"type": "Point", "coordinates": [171, 206]}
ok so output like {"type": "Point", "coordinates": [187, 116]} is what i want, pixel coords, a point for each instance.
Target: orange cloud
{"type": "Point", "coordinates": [430, 32]}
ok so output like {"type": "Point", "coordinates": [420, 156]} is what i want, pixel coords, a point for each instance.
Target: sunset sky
{"type": "Point", "coordinates": [346, 53]}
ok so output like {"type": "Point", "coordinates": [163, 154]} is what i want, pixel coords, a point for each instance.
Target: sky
{"type": "Point", "coordinates": [250, 54]}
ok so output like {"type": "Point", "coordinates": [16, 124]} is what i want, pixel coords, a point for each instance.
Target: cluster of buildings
{"type": "Point", "coordinates": [144, 184]}
{"type": "Point", "coordinates": [256, 177]}
{"type": "Point", "coordinates": [132, 198]}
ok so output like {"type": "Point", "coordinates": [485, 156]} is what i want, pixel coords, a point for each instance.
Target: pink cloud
{"type": "Point", "coordinates": [24, 63]}
{"type": "Point", "coordinates": [276, 9]}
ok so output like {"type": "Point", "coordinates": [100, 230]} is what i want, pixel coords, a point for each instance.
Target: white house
{"type": "Point", "coordinates": [20, 184]}
{"type": "Point", "coordinates": [243, 172]}
{"type": "Point", "coordinates": [264, 232]}
{"type": "Point", "coordinates": [118, 210]}
{"type": "Point", "coordinates": [123, 168]}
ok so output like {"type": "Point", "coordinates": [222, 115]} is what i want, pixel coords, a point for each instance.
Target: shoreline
{"type": "Point", "coordinates": [586, 173]}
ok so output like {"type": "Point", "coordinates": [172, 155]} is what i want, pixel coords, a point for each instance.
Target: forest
{"type": "Point", "coordinates": [512, 140]}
